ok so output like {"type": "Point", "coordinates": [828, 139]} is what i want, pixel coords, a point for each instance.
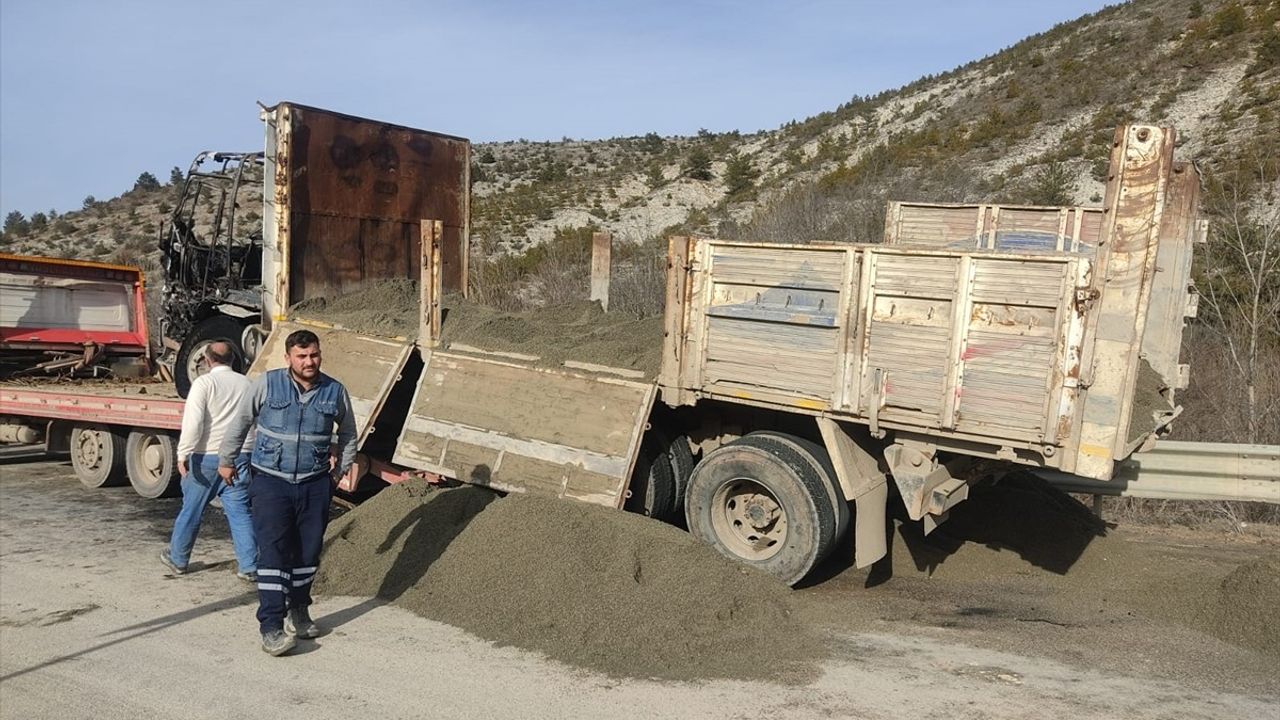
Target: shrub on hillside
{"type": "Point", "coordinates": [697, 165]}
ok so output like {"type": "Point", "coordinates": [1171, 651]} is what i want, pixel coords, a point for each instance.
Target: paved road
{"type": "Point", "coordinates": [91, 626]}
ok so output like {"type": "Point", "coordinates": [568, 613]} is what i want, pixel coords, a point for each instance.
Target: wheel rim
{"type": "Point", "coordinates": [198, 364]}
{"type": "Point", "coordinates": [748, 519]}
{"type": "Point", "coordinates": [152, 456]}
{"type": "Point", "coordinates": [89, 450]}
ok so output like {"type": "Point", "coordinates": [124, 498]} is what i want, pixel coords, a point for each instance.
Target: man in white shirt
{"type": "Point", "coordinates": [210, 409]}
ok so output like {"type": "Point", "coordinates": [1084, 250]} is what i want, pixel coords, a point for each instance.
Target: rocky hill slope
{"type": "Point", "coordinates": [1031, 123]}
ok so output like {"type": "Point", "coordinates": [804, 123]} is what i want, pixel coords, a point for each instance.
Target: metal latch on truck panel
{"type": "Point", "coordinates": [1085, 298]}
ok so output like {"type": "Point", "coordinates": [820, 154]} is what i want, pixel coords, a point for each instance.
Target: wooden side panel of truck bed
{"type": "Point", "coordinates": [367, 366]}
{"type": "Point", "coordinates": [962, 342]}
{"type": "Point", "coordinates": [518, 428]}
{"type": "Point", "coordinates": [1016, 333]}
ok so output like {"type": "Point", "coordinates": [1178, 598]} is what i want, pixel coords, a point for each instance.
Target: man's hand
{"type": "Point", "coordinates": [182, 468]}
{"type": "Point", "coordinates": [228, 475]}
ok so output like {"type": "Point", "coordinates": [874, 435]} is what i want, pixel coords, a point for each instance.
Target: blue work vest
{"type": "Point", "coordinates": [294, 437]}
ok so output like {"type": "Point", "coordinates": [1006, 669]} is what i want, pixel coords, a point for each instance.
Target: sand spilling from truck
{"type": "Point", "coordinates": [576, 331]}
{"type": "Point", "coordinates": [588, 586]}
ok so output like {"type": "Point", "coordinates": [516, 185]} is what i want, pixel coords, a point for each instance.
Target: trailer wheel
{"type": "Point", "coordinates": [681, 458]}
{"type": "Point", "coordinates": [820, 460]}
{"type": "Point", "coordinates": [652, 487]}
{"type": "Point", "coordinates": [97, 455]}
{"type": "Point", "coordinates": [761, 503]}
{"type": "Point", "coordinates": [190, 362]}
{"type": "Point", "coordinates": [152, 462]}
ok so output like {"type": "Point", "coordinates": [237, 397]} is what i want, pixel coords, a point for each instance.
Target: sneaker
{"type": "Point", "coordinates": [249, 577]}
{"type": "Point", "coordinates": [277, 643]}
{"type": "Point", "coordinates": [298, 622]}
{"type": "Point", "coordinates": [169, 563]}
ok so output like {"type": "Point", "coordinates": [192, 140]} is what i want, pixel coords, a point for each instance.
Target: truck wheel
{"type": "Point", "coordinates": [151, 459]}
{"type": "Point", "coordinates": [652, 487]}
{"type": "Point", "coordinates": [820, 460]}
{"type": "Point", "coordinates": [97, 455]}
{"type": "Point", "coordinates": [681, 458]}
{"type": "Point", "coordinates": [190, 362]}
{"type": "Point", "coordinates": [761, 502]}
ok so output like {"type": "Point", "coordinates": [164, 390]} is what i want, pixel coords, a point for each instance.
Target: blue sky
{"type": "Point", "coordinates": [93, 93]}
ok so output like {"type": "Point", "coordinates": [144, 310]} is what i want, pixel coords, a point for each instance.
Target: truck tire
{"type": "Point", "coordinates": [151, 458]}
{"type": "Point", "coordinates": [190, 362]}
{"type": "Point", "coordinates": [762, 503]}
{"type": "Point", "coordinates": [652, 487]}
{"type": "Point", "coordinates": [680, 455]}
{"type": "Point", "coordinates": [820, 461]}
{"type": "Point", "coordinates": [97, 455]}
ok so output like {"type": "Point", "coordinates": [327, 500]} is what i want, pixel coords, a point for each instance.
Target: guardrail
{"type": "Point", "coordinates": [1188, 471]}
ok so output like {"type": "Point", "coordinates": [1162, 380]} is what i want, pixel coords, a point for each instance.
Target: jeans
{"type": "Point", "coordinates": [289, 521]}
{"type": "Point", "coordinates": [200, 486]}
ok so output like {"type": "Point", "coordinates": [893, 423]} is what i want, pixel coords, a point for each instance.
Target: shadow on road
{"type": "Point", "coordinates": [148, 627]}
{"type": "Point", "coordinates": [1021, 513]}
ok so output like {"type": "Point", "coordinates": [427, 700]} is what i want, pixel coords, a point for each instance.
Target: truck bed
{"type": "Point", "coordinates": [137, 403]}
{"type": "Point", "coordinates": [1057, 346]}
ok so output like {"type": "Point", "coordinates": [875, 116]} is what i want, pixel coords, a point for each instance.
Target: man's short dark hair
{"type": "Point", "coordinates": [300, 338]}
{"type": "Point", "coordinates": [224, 357]}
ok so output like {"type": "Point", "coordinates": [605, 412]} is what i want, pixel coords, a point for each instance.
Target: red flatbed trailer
{"type": "Point", "coordinates": [113, 431]}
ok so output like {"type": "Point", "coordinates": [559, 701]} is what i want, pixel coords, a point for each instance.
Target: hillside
{"type": "Point", "coordinates": [1021, 125]}
{"type": "Point", "coordinates": [1029, 124]}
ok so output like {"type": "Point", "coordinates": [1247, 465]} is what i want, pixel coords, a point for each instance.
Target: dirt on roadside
{"type": "Point", "coordinates": [588, 586]}
{"type": "Point", "coordinates": [1243, 609]}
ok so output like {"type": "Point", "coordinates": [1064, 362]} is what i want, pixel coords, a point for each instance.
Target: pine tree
{"type": "Point", "coordinates": [739, 175]}
{"type": "Point", "coordinates": [698, 165]}
{"type": "Point", "coordinates": [146, 181]}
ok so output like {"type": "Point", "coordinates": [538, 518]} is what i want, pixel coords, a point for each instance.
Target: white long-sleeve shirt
{"type": "Point", "coordinates": [210, 410]}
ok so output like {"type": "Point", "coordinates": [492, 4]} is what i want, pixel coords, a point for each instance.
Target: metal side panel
{"type": "Point", "coordinates": [1171, 286]}
{"type": "Point", "coordinates": [523, 429]}
{"type": "Point", "coordinates": [772, 321]}
{"type": "Point", "coordinates": [345, 199]}
{"type": "Point", "coordinates": [1003, 228]}
{"type": "Point", "coordinates": [367, 366]}
{"type": "Point", "coordinates": [1011, 358]}
{"type": "Point", "coordinates": [909, 337]}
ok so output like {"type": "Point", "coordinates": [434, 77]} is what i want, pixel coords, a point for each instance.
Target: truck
{"type": "Point", "coordinates": [77, 317]}
{"type": "Point", "coordinates": [803, 387]}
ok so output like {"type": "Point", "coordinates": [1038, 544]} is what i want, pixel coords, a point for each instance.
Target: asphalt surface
{"type": "Point", "coordinates": [91, 625]}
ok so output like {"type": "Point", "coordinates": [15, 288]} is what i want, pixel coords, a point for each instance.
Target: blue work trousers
{"type": "Point", "coordinates": [289, 521]}
{"type": "Point", "coordinates": [200, 486]}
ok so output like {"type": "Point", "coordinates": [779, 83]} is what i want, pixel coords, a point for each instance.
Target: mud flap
{"type": "Point", "coordinates": [862, 480]}
{"type": "Point", "coordinates": [518, 428]}
{"type": "Point", "coordinates": [869, 529]}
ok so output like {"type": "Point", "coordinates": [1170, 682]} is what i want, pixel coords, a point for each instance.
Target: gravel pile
{"type": "Point", "coordinates": [1243, 611]}
{"type": "Point", "coordinates": [588, 586]}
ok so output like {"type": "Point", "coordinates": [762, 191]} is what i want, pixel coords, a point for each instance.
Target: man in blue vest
{"type": "Point", "coordinates": [295, 464]}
